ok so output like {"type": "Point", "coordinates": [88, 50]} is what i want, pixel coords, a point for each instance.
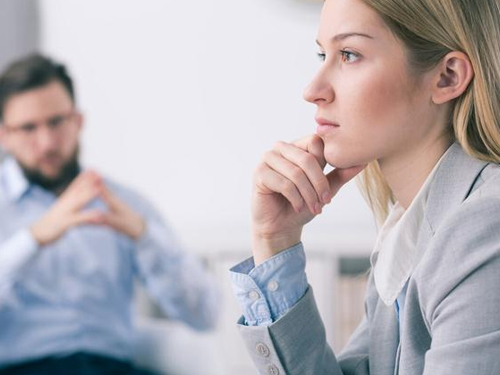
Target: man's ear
{"type": "Point", "coordinates": [79, 118]}
{"type": "Point", "coordinates": [453, 75]}
{"type": "Point", "coordinates": [2, 137]}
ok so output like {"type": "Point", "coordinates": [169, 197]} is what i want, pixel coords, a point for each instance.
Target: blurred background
{"type": "Point", "coordinates": [181, 99]}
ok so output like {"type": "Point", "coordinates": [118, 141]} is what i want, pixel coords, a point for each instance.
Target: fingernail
{"type": "Point", "coordinates": [326, 198]}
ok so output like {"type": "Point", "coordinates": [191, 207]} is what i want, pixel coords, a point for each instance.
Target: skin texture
{"type": "Point", "coordinates": [46, 150]}
{"type": "Point", "coordinates": [382, 109]}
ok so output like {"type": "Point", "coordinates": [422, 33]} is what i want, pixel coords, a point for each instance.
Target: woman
{"type": "Point", "coordinates": [408, 93]}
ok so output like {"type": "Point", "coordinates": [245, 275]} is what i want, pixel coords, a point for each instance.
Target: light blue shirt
{"type": "Point", "coordinates": [76, 294]}
{"type": "Point", "coordinates": [268, 291]}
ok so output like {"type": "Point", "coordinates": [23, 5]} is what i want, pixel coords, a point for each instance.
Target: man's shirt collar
{"type": "Point", "coordinates": [13, 180]}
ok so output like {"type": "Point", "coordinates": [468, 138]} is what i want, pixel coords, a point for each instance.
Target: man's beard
{"type": "Point", "coordinates": [67, 173]}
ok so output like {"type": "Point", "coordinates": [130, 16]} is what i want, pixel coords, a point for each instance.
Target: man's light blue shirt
{"type": "Point", "coordinates": [76, 293]}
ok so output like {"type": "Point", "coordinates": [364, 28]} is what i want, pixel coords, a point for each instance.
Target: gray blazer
{"type": "Point", "coordinates": [451, 324]}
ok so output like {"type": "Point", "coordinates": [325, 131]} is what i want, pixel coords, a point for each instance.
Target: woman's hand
{"type": "Point", "coordinates": [290, 189]}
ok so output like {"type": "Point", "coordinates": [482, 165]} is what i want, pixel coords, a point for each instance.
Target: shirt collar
{"type": "Point", "coordinates": [394, 255]}
{"type": "Point", "coordinates": [13, 179]}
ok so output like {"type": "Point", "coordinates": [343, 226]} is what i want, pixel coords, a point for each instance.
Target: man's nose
{"type": "Point", "coordinates": [46, 139]}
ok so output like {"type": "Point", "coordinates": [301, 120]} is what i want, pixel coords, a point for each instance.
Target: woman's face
{"type": "Point", "coordinates": [366, 89]}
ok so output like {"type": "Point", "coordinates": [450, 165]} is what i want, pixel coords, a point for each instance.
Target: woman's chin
{"type": "Point", "coordinates": [343, 160]}
{"type": "Point", "coordinates": [345, 157]}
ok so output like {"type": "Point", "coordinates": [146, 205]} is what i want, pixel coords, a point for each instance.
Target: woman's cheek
{"type": "Point", "coordinates": [366, 124]}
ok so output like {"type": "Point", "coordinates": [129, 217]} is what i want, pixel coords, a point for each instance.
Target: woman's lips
{"type": "Point", "coordinates": [325, 127]}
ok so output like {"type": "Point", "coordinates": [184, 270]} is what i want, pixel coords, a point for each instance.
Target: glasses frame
{"type": "Point", "coordinates": [57, 124]}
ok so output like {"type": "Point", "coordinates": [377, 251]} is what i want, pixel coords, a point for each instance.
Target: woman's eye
{"type": "Point", "coordinates": [321, 56]}
{"type": "Point", "coordinates": [348, 56]}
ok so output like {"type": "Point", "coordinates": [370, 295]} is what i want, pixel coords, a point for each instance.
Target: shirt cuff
{"type": "Point", "coordinates": [268, 291]}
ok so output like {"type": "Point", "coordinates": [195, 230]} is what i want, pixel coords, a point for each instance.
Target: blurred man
{"type": "Point", "coordinates": [72, 242]}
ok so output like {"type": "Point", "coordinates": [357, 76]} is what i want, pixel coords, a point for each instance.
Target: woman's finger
{"type": "Point", "coordinates": [340, 176]}
{"type": "Point", "coordinates": [269, 181]}
{"type": "Point", "coordinates": [309, 164]}
{"type": "Point", "coordinates": [297, 176]}
{"type": "Point", "coordinates": [314, 145]}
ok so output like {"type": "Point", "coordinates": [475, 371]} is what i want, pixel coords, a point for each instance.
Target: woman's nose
{"type": "Point", "coordinates": [319, 90]}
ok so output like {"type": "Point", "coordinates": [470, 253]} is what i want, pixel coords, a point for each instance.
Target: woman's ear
{"type": "Point", "coordinates": [453, 75]}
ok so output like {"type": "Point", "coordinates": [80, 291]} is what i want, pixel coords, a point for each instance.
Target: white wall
{"type": "Point", "coordinates": [19, 24]}
{"type": "Point", "coordinates": [182, 97]}
{"type": "Point", "coordinates": [19, 31]}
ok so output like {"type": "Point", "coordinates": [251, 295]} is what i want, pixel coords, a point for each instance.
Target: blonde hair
{"type": "Point", "coordinates": [430, 29]}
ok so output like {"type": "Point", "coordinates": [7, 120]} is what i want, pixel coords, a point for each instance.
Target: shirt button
{"type": "Point", "coordinates": [273, 286]}
{"type": "Point", "coordinates": [262, 349]}
{"type": "Point", "coordinates": [254, 295]}
{"type": "Point", "coordinates": [273, 370]}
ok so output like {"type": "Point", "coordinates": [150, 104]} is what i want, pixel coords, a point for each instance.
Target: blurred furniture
{"type": "Point", "coordinates": [171, 348]}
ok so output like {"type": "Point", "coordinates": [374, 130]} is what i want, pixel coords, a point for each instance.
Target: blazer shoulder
{"type": "Point", "coordinates": [478, 210]}
{"type": "Point", "coordinates": [468, 239]}
{"type": "Point", "coordinates": [478, 216]}
{"type": "Point", "coordinates": [487, 183]}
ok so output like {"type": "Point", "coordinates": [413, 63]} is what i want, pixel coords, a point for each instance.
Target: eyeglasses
{"type": "Point", "coordinates": [56, 124]}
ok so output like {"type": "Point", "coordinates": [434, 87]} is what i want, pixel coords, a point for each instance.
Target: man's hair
{"type": "Point", "coordinates": [31, 72]}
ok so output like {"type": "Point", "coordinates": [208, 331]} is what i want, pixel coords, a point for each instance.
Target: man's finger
{"type": "Point", "coordinates": [111, 199]}
{"type": "Point", "coordinates": [87, 217]}
{"type": "Point", "coordinates": [78, 199]}
{"type": "Point", "coordinates": [83, 179]}
{"type": "Point", "coordinates": [83, 189]}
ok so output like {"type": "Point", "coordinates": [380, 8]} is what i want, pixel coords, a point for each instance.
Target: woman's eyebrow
{"type": "Point", "coordinates": [343, 36]}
